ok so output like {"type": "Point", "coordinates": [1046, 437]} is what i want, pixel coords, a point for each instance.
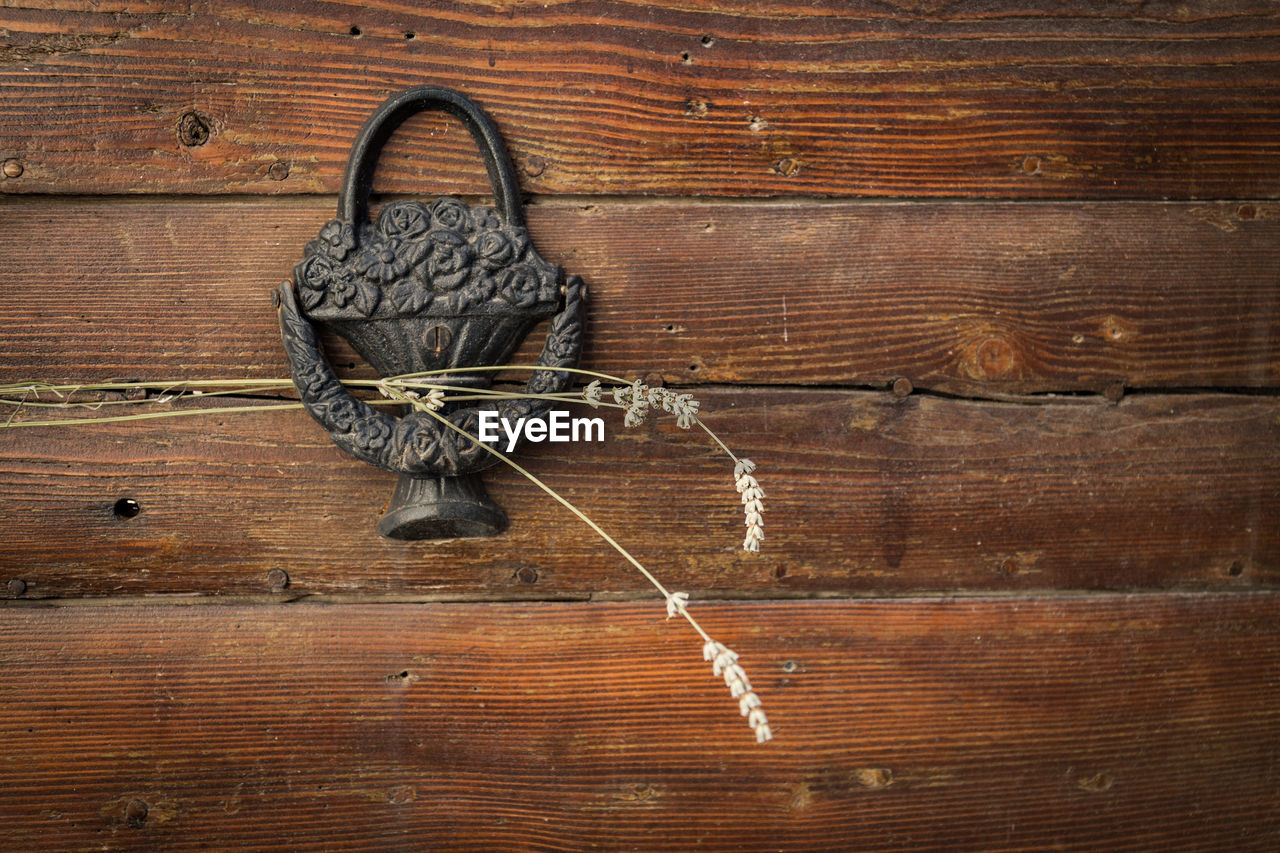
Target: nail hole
{"type": "Point", "coordinates": [355, 31]}
{"type": "Point", "coordinates": [789, 666]}
{"type": "Point", "coordinates": [707, 41]}
{"type": "Point", "coordinates": [135, 813]}
{"type": "Point", "coordinates": [780, 572]}
{"type": "Point", "coordinates": [126, 508]}
{"type": "Point", "coordinates": [410, 36]}
{"type": "Point", "coordinates": [403, 678]}
{"type": "Point", "coordinates": [693, 368]}
{"type": "Point", "coordinates": [1235, 569]}
{"type": "Point", "coordinates": [686, 58]}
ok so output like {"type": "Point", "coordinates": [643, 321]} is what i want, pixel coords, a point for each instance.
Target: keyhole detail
{"type": "Point", "coordinates": [438, 339]}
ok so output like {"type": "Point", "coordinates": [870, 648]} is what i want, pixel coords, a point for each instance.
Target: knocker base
{"type": "Point", "coordinates": [441, 508]}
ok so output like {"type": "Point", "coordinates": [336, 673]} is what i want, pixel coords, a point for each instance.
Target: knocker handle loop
{"type": "Point", "coordinates": [357, 182]}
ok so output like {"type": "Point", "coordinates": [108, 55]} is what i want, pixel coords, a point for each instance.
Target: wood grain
{"type": "Point", "coordinates": [978, 298]}
{"type": "Point", "coordinates": [867, 494]}
{"type": "Point", "coordinates": [677, 98]}
{"type": "Point", "coordinates": [1095, 723]}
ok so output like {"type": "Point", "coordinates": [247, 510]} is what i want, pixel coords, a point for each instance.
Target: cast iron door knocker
{"type": "Point", "coordinates": [427, 287]}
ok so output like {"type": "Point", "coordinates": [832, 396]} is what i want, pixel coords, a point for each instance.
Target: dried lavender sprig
{"type": "Point", "coordinates": [637, 398]}
{"type": "Point", "coordinates": [736, 679]}
{"type": "Point", "coordinates": [724, 661]}
{"type": "Point", "coordinates": [752, 505]}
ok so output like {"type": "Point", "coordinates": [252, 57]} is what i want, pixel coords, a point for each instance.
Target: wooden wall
{"type": "Point", "coordinates": [990, 291]}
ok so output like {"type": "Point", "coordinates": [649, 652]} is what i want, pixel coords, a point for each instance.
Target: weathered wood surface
{"type": "Point", "coordinates": [1095, 723]}
{"type": "Point", "coordinates": [1001, 99]}
{"type": "Point", "coordinates": [973, 298]}
{"type": "Point", "coordinates": [867, 493]}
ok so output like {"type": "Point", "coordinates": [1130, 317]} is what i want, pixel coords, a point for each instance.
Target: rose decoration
{"type": "Point", "coordinates": [518, 285]}
{"type": "Point", "coordinates": [313, 277]}
{"type": "Point", "coordinates": [495, 250]}
{"type": "Point", "coordinates": [451, 214]}
{"type": "Point", "coordinates": [449, 260]}
{"type": "Point", "coordinates": [404, 219]}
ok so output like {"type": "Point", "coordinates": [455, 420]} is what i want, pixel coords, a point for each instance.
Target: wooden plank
{"type": "Point", "coordinates": [866, 493]}
{"type": "Point", "coordinates": [677, 98]}
{"type": "Point", "coordinates": [973, 298]}
{"type": "Point", "coordinates": [1094, 723]}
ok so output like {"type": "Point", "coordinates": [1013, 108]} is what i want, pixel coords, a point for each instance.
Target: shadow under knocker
{"type": "Point", "coordinates": [427, 287]}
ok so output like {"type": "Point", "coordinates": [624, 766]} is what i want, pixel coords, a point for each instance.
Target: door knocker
{"type": "Point", "coordinates": [427, 287]}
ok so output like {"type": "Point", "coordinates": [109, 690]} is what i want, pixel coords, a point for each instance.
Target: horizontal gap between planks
{"type": "Point", "coordinates": [1040, 398]}
{"type": "Point", "coordinates": [710, 598]}
{"type": "Point", "coordinates": [305, 200]}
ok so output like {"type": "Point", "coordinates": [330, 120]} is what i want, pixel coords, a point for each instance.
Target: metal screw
{"type": "Point", "coordinates": [528, 574]}
{"type": "Point", "coordinates": [437, 339]}
{"type": "Point", "coordinates": [535, 166]}
{"type": "Point", "coordinates": [277, 579]}
{"type": "Point", "coordinates": [17, 586]}
{"type": "Point", "coordinates": [279, 170]}
{"type": "Point", "coordinates": [13, 168]}
{"type": "Point", "coordinates": [902, 387]}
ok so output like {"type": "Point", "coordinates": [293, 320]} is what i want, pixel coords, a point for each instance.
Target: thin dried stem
{"type": "Point", "coordinates": [735, 677]}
